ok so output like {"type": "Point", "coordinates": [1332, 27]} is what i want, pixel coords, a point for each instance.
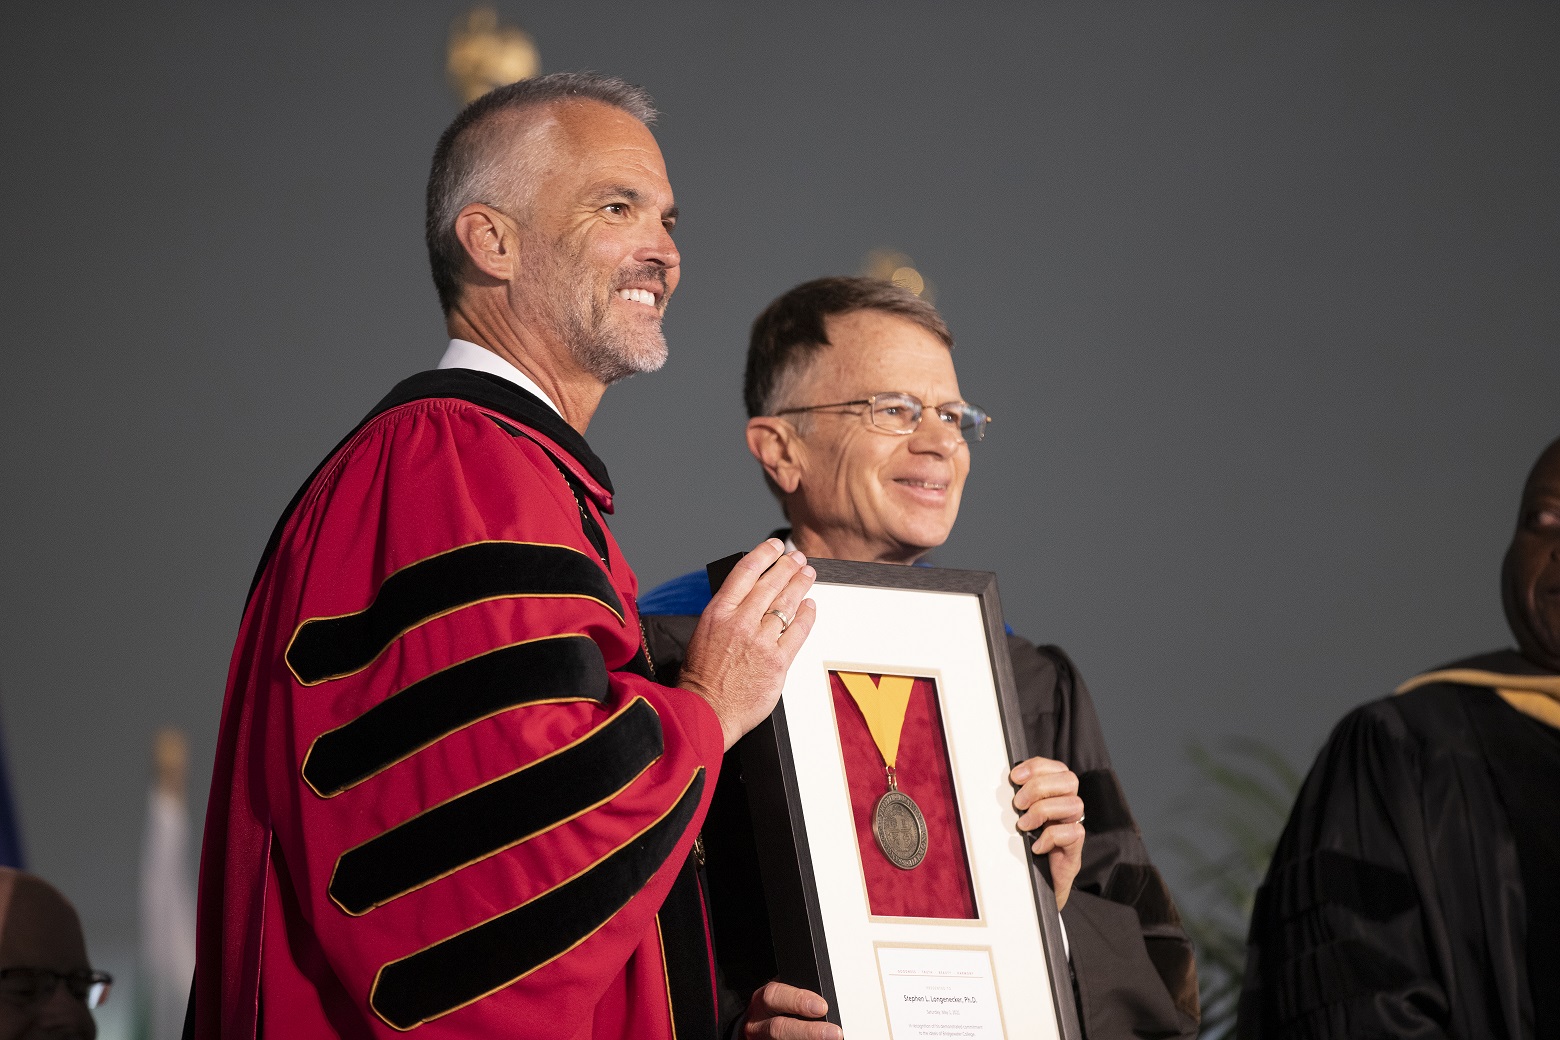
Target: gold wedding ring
{"type": "Point", "coordinates": [785, 622]}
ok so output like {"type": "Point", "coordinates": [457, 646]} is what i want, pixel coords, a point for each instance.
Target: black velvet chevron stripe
{"type": "Point", "coordinates": [563, 667]}
{"type": "Point", "coordinates": [497, 815]}
{"type": "Point", "coordinates": [685, 950]}
{"type": "Point", "coordinates": [467, 967]}
{"type": "Point", "coordinates": [329, 648]}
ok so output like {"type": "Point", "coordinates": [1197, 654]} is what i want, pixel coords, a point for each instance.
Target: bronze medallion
{"type": "Point", "coordinates": [900, 830]}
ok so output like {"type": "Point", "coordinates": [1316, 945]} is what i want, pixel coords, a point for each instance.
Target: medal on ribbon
{"type": "Point", "coordinates": [897, 823]}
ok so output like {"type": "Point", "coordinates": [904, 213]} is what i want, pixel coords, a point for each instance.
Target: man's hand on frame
{"type": "Point", "coordinates": [780, 1012]}
{"type": "Point", "coordinates": [1047, 801]}
{"type": "Point", "coordinates": [748, 635]}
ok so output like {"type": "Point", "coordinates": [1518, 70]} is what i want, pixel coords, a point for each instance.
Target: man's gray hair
{"type": "Point", "coordinates": [471, 164]}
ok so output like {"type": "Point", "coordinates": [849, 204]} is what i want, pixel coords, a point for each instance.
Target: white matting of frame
{"type": "Point", "coordinates": [915, 633]}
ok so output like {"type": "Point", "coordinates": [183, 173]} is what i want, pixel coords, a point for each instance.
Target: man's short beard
{"type": "Point", "coordinates": [582, 322]}
{"type": "Point", "coordinates": [612, 354]}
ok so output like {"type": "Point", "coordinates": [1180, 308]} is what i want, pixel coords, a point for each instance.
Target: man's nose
{"type": "Point", "coordinates": [659, 249]}
{"type": "Point", "coordinates": [935, 435]}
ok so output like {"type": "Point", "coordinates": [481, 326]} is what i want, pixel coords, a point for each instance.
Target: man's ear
{"type": "Point", "coordinates": [490, 239]}
{"type": "Point", "coordinates": [774, 443]}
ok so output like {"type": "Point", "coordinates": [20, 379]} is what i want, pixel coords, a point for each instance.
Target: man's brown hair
{"type": "Point", "coordinates": [791, 330]}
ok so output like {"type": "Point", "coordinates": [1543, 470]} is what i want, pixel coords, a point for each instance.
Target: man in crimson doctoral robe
{"type": "Point", "coordinates": [1413, 892]}
{"type": "Point", "coordinates": [863, 435]}
{"type": "Point", "coordinates": [449, 799]}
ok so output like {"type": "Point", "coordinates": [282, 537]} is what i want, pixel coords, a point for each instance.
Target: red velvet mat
{"type": "Point", "coordinates": [939, 886]}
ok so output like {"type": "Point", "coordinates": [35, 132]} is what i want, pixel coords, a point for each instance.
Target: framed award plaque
{"type": "Point", "coordinates": [896, 880]}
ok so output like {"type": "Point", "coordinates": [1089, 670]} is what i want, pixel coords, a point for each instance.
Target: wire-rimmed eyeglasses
{"type": "Point", "coordinates": [32, 987]}
{"type": "Point", "coordinates": [900, 413]}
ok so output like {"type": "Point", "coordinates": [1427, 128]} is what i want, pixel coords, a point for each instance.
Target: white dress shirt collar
{"type": "Point", "coordinates": [462, 353]}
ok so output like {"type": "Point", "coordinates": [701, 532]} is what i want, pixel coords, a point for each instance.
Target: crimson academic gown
{"type": "Point", "coordinates": [447, 797]}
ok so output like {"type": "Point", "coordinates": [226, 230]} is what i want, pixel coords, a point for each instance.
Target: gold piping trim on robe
{"type": "Point", "coordinates": [666, 976]}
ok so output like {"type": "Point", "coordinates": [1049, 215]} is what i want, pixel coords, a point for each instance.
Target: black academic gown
{"type": "Point", "coordinates": [1131, 960]}
{"type": "Point", "coordinates": [1394, 904]}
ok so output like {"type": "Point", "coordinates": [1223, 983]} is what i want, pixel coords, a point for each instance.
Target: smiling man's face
{"type": "Point", "coordinates": [600, 263]}
{"type": "Point", "coordinates": [1530, 579]}
{"type": "Point", "coordinates": [864, 493]}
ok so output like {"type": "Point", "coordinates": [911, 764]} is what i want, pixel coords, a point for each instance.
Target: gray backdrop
{"type": "Point", "coordinates": [1264, 301]}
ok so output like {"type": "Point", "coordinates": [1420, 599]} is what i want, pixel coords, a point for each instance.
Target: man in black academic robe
{"type": "Point", "coordinates": [837, 373]}
{"type": "Point", "coordinates": [1413, 891]}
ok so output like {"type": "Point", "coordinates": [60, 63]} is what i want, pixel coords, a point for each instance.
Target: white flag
{"type": "Point", "coordinates": [167, 962]}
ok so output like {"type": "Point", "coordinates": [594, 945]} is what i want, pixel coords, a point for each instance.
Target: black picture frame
{"type": "Point", "coordinates": [780, 830]}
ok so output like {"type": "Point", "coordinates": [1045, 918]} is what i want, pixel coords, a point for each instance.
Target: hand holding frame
{"type": "Point", "coordinates": [740, 652]}
{"type": "Point", "coordinates": [781, 1012]}
{"type": "Point", "coordinates": [1047, 800]}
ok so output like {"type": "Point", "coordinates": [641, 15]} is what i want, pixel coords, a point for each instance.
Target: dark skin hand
{"type": "Point", "coordinates": [1530, 577]}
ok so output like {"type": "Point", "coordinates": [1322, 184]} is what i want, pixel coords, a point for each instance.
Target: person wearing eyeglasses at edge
{"type": "Point", "coordinates": [47, 986]}
{"type": "Point", "coordinates": [858, 422]}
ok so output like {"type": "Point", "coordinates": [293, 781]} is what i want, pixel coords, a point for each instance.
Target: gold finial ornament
{"type": "Point", "coordinates": [894, 266]}
{"type": "Point", "coordinates": [484, 54]}
{"type": "Point", "coordinates": [171, 761]}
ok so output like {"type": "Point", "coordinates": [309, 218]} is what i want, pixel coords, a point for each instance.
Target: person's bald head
{"type": "Point", "coordinates": [39, 929]}
{"type": "Point", "coordinates": [495, 152]}
{"type": "Point", "coordinates": [1530, 577]}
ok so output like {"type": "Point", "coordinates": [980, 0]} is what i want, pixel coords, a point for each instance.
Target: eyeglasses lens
{"type": "Point", "coordinates": [901, 414]}
{"type": "Point", "coordinates": [27, 987]}
{"type": "Point", "coordinates": [896, 413]}
{"type": "Point", "coordinates": [97, 992]}
{"type": "Point", "coordinates": [972, 423]}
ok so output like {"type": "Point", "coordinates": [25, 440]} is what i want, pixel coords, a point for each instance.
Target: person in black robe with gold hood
{"type": "Point", "coordinates": [1413, 891]}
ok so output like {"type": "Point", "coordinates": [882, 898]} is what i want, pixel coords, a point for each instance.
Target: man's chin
{"type": "Point", "coordinates": [922, 539]}
{"type": "Point", "coordinates": [614, 360]}
{"type": "Point", "coordinates": [644, 361]}
{"type": "Point", "coordinates": [642, 348]}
